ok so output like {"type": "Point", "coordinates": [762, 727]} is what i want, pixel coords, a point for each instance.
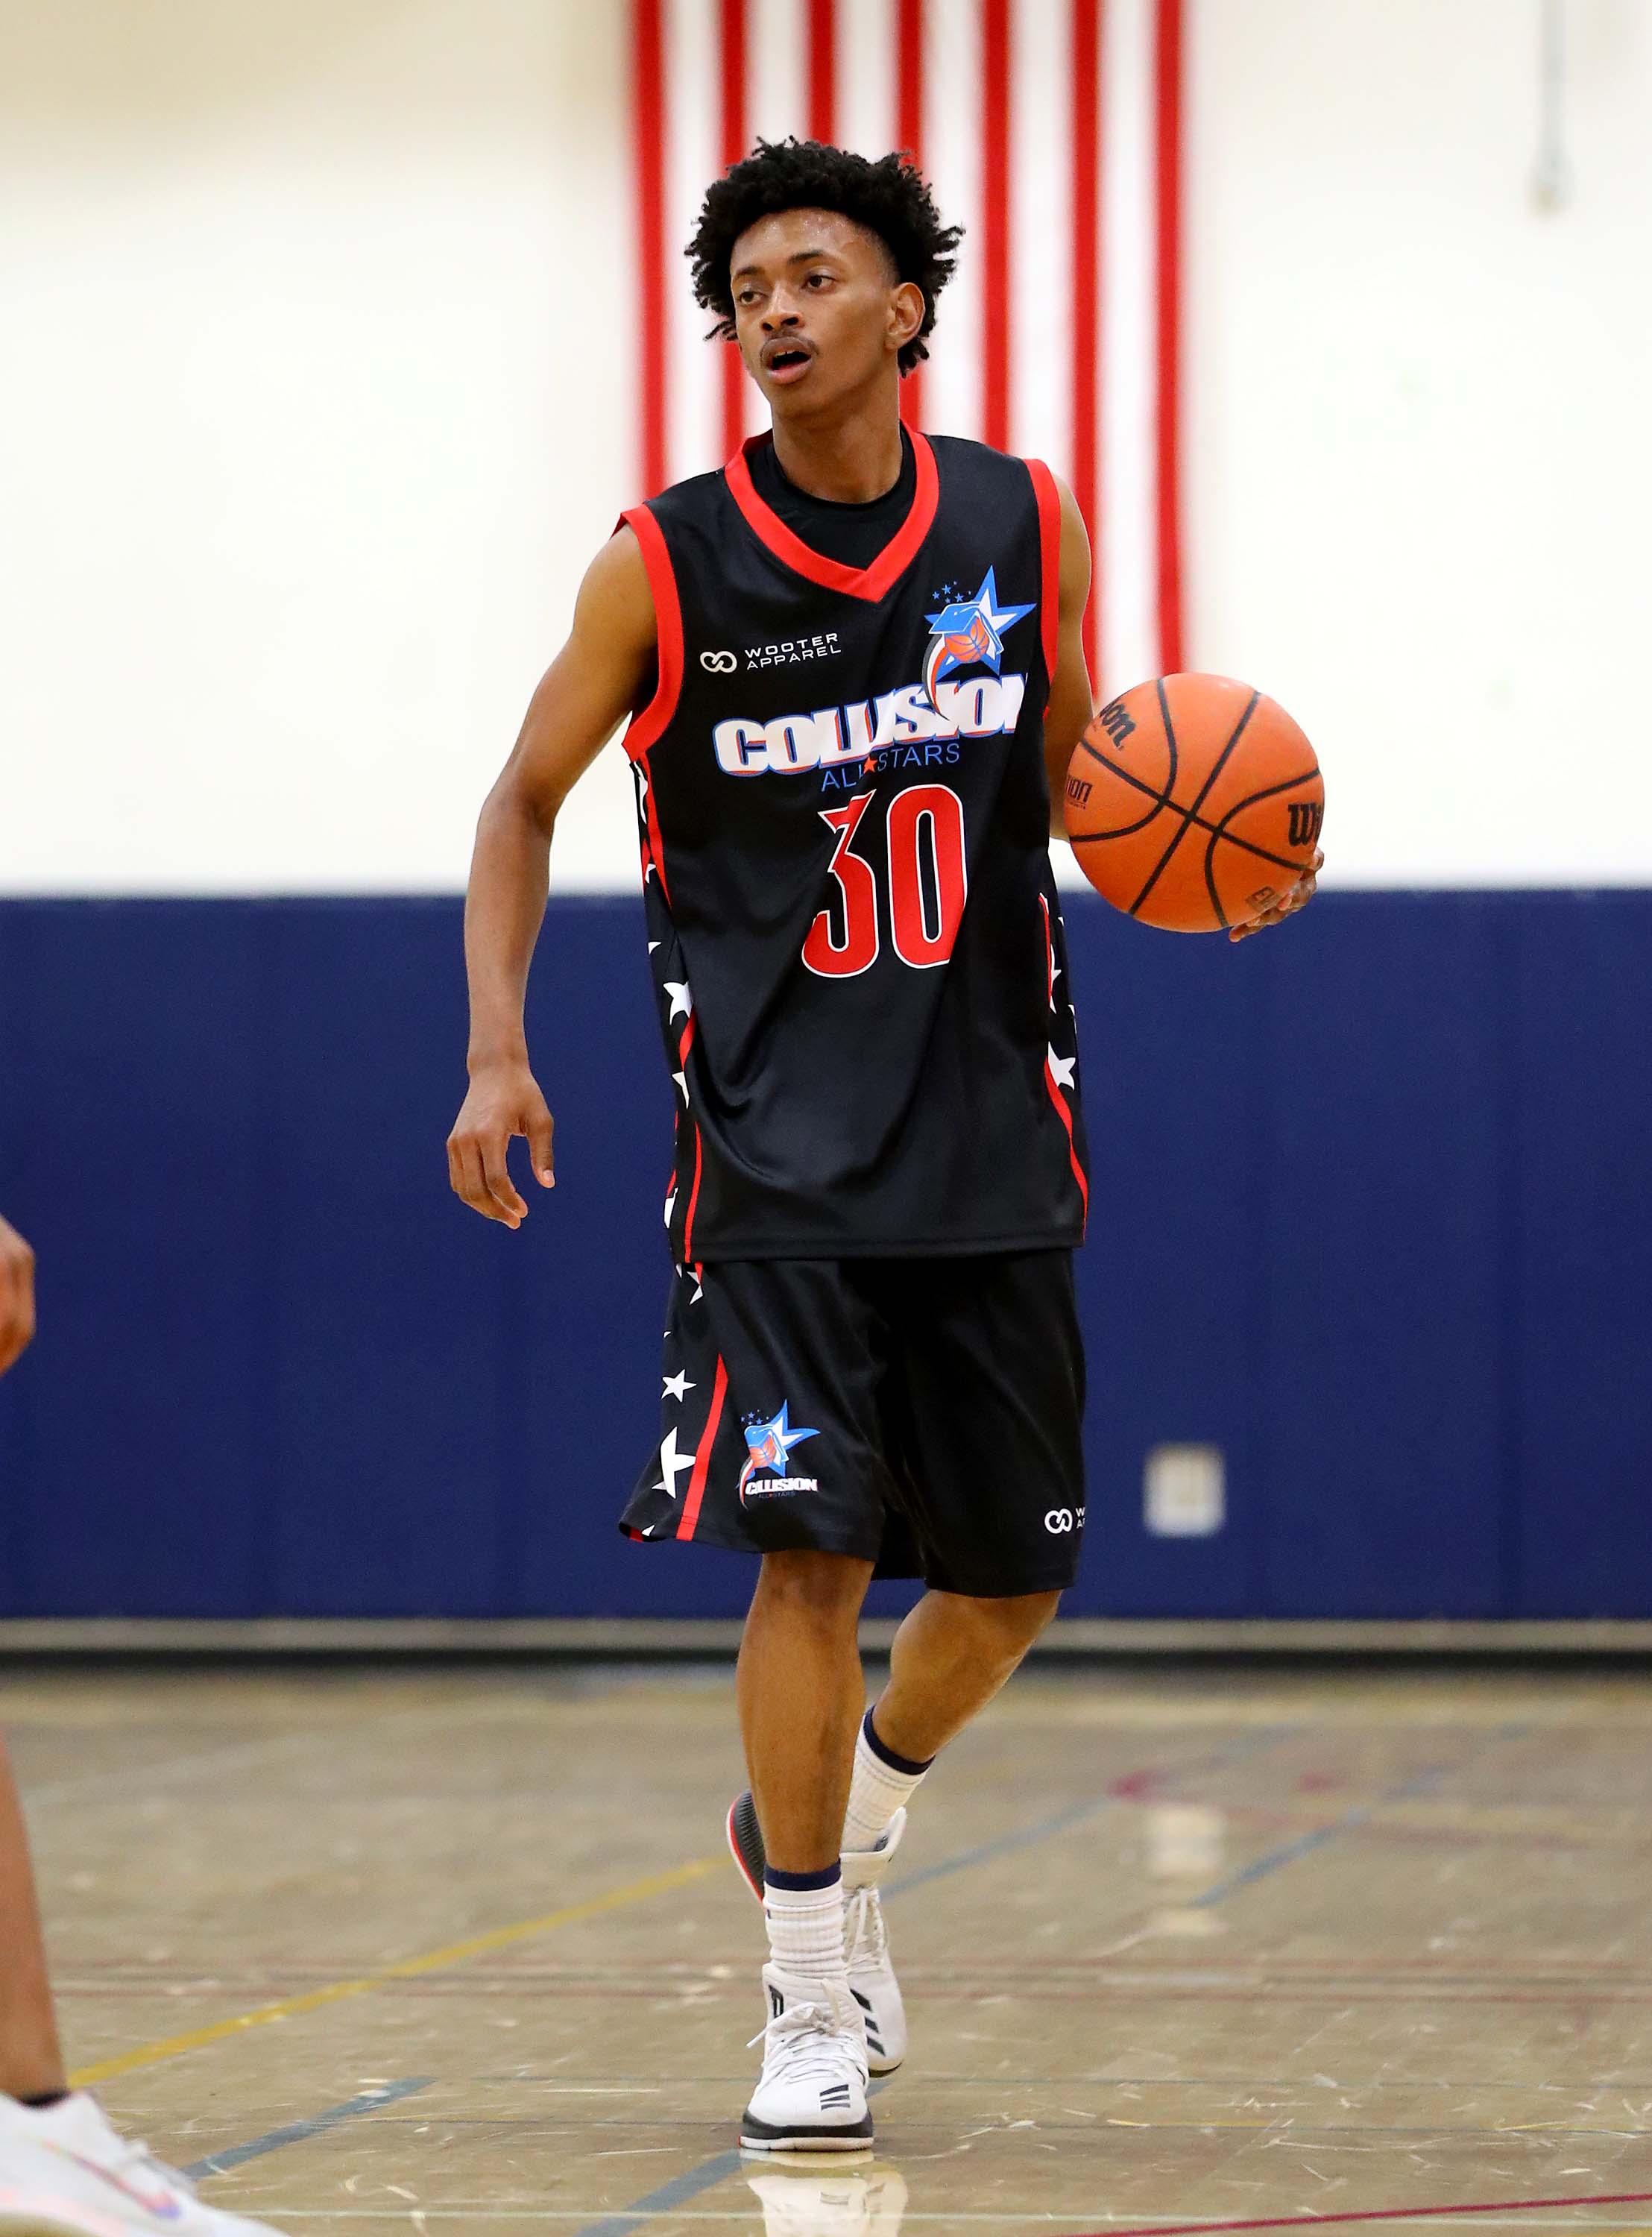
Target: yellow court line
{"type": "Point", "coordinates": [409, 1968]}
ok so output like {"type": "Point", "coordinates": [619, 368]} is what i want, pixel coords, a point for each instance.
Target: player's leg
{"type": "Point", "coordinates": [64, 2172]}
{"type": "Point", "coordinates": [953, 1651]}
{"type": "Point", "coordinates": [983, 1409]}
{"type": "Point", "coordinates": [31, 2064]}
{"type": "Point", "coordinates": [771, 1444]}
{"type": "Point", "coordinates": [801, 1692]}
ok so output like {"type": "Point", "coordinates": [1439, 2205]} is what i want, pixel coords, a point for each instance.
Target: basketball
{"type": "Point", "coordinates": [1193, 804]}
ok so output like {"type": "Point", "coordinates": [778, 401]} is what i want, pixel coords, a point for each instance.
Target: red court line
{"type": "Point", "coordinates": [1375, 2213]}
{"type": "Point", "coordinates": [1167, 148]}
{"type": "Point", "coordinates": [909, 136]}
{"type": "Point", "coordinates": [648, 120]}
{"type": "Point", "coordinates": [996, 189]}
{"type": "Point", "coordinates": [734, 42]}
{"type": "Point", "coordinates": [823, 68]}
{"type": "Point", "coordinates": [1085, 280]}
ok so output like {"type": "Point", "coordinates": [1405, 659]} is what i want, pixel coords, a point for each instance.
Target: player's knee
{"type": "Point", "coordinates": [824, 1588]}
{"type": "Point", "coordinates": [1009, 1626]}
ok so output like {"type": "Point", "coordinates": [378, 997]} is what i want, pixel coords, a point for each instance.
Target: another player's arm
{"type": "Point", "coordinates": [600, 676]}
{"type": "Point", "coordinates": [17, 1296]}
{"type": "Point", "coordinates": [1070, 702]}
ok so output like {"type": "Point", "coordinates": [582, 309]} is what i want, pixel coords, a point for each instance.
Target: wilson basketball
{"type": "Point", "coordinates": [1194, 802]}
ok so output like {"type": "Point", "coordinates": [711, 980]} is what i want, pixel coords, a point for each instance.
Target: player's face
{"type": "Point", "coordinates": [819, 311]}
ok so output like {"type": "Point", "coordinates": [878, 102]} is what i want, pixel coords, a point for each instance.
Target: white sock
{"type": "Point", "coordinates": [806, 1924]}
{"type": "Point", "coordinates": [882, 1782]}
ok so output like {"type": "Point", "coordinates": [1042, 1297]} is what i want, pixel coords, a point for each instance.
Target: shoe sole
{"type": "Point", "coordinates": [857, 2139]}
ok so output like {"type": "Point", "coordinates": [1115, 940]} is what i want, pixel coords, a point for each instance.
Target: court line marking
{"type": "Point", "coordinates": [1380, 2214]}
{"type": "Point", "coordinates": [408, 1969]}
{"type": "Point", "coordinates": [1408, 1790]}
{"type": "Point", "coordinates": [295, 2132]}
{"type": "Point", "coordinates": [418, 2216]}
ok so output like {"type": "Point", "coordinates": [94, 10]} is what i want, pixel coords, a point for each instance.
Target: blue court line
{"type": "Point", "coordinates": [296, 2131]}
{"type": "Point", "coordinates": [1253, 1744]}
{"type": "Point", "coordinates": [1420, 1782]}
{"type": "Point", "coordinates": [677, 2191]}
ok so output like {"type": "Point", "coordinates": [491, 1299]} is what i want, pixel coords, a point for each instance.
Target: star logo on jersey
{"type": "Point", "coordinates": [767, 1444]}
{"type": "Point", "coordinates": [969, 633]}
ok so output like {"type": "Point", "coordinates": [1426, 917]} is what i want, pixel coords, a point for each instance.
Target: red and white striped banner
{"type": "Point", "coordinates": [1050, 129]}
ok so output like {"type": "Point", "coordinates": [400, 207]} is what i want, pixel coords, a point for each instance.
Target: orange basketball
{"type": "Point", "coordinates": [1194, 802]}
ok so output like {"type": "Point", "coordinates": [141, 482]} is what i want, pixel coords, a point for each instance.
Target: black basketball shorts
{"type": "Point", "coordinates": [920, 1413]}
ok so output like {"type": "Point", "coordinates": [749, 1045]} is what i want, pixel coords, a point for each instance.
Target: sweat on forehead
{"type": "Point", "coordinates": [792, 235]}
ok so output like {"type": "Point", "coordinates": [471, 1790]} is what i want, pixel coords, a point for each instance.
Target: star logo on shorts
{"type": "Point", "coordinates": [768, 1442]}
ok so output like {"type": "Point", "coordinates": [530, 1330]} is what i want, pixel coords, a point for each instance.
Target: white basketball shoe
{"type": "Point", "coordinates": [871, 1978]}
{"type": "Point", "coordinates": [801, 2201]}
{"type": "Point", "coordinates": [811, 2095]}
{"type": "Point", "coordinates": [64, 2172]}
{"type": "Point", "coordinates": [871, 1974]}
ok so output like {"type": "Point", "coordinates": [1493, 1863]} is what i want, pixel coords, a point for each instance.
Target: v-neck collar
{"type": "Point", "coordinates": [868, 583]}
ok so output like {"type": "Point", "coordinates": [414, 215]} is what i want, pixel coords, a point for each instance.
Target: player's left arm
{"type": "Point", "coordinates": [1071, 704]}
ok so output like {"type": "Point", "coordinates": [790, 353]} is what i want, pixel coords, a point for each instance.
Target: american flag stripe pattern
{"type": "Point", "coordinates": [1051, 129]}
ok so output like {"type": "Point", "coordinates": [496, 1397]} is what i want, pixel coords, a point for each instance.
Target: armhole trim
{"type": "Point", "coordinates": [647, 725]}
{"type": "Point", "coordinates": [1049, 502]}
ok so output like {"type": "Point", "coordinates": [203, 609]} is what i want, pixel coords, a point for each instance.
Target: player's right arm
{"type": "Point", "coordinates": [17, 1296]}
{"type": "Point", "coordinates": [602, 674]}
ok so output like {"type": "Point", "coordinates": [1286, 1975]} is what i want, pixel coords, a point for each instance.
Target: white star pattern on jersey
{"type": "Point", "coordinates": [678, 1385]}
{"type": "Point", "coordinates": [682, 1002]}
{"type": "Point", "coordinates": [672, 1464]}
{"type": "Point", "coordinates": [1061, 1069]}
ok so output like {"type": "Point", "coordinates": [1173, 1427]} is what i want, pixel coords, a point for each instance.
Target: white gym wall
{"type": "Point", "coordinates": [320, 331]}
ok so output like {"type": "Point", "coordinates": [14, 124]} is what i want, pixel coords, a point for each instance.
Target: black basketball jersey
{"type": "Point", "coordinates": [852, 919]}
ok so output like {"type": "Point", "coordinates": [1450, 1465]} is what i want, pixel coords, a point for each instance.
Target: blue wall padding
{"type": "Point", "coordinates": [1371, 1211]}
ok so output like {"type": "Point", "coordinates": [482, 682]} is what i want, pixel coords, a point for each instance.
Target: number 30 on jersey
{"type": "Point", "coordinates": [928, 882]}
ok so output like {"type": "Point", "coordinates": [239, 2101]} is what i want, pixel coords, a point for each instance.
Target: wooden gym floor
{"type": "Point", "coordinates": [462, 1951]}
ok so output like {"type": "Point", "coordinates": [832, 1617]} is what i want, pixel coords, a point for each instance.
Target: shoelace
{"type": "Point", "coordinates": [867, 1937]}
{"type": "Point", "coordinates": [804, 2041]}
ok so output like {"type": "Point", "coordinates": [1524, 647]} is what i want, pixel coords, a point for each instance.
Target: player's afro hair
{"type": "Point", "coordinates": [889, 197]}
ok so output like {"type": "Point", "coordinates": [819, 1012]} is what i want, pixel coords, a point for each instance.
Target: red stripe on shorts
{"type": "Point", "coordinates": [702, 1453]}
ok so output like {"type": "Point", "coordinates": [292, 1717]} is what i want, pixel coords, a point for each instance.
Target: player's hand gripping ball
{"type": "Point", "coordinates": [1194, 803]}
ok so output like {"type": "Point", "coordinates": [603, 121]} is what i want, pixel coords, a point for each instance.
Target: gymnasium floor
{"type": "Point", "coordinates": [463, 1951]}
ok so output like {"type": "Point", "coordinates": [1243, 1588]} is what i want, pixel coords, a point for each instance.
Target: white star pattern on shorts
{"type": "Point", "coordinates": [1061, 1069]}
{"type": "Point", "coordinates": [682, 1002]}
{"type": "Point", "coordinates": [672, 1463]}
{"type": "Point", "coordinates": [677, 1386]}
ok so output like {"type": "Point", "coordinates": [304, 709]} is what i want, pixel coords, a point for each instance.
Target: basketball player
{"type": "Point", "coordinates": [64, 2172]}
{"type": "Point", "coordinates": [854, 673]}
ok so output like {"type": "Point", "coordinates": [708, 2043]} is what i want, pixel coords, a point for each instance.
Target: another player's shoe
{"type": "Point", "coordinates": [801, 2201]}
{"type": "Point", "coordinates": [64, 2172]}
{"type": "Point", "coordinates": [811, 2095]}
{"type": "Point", "coordinates": [871, 1974]}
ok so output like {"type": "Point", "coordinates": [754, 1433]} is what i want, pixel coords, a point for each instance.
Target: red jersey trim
{"type": "Point", "coordinates": [1049, 498]}
{"type": "Point", "coordinates": [1060, 1102]}
{"type": "Point", "coordinates": [703, 1454]}
{"type": "Point", "coordinates": [870, 582]}
{"type": "Point", "coordinates": [648, 724]}
{"type": "Point", "coordinates": [687, 1042]}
